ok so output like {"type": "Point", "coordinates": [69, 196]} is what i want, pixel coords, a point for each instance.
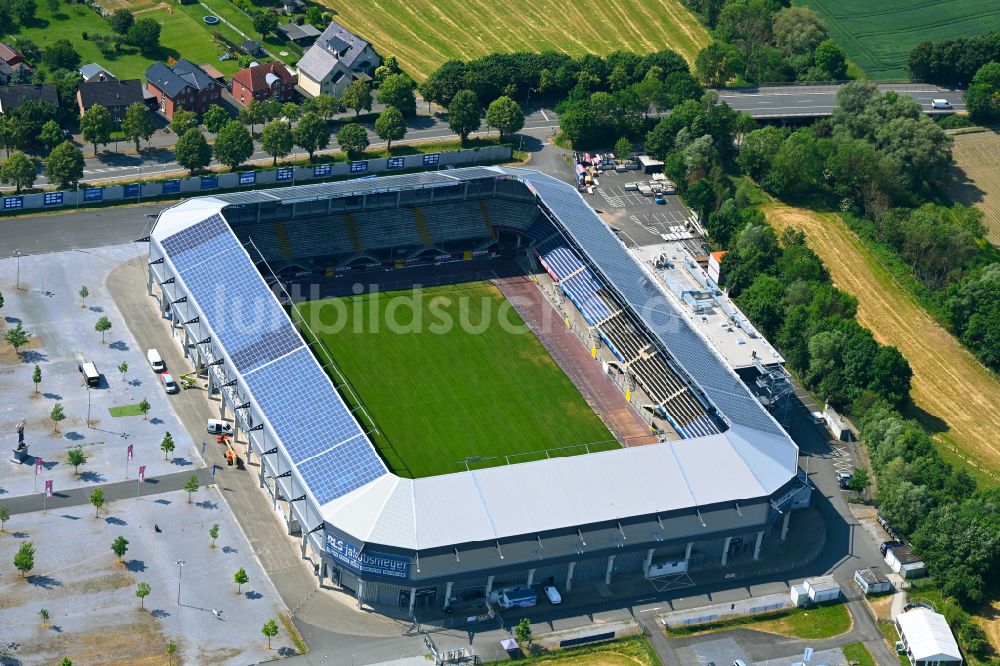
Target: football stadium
{"type": "Point", "coordinates": [417, 367]}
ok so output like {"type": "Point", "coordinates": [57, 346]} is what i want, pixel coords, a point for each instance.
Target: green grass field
{"type": "Point", "coordinates": [182, 35]}
{"type": "Point", "coordinates": [125, 410]}
{"type": "Point", "coordinates": [879, 36]}
{"type": "Point", "coordinates": [442, 394]}
{"type": "Point", "coordinates": [425, 33]}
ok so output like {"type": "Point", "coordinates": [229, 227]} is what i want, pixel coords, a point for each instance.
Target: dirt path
{"type": "Point", "coordinates": [948, 382]}
{"type": "Point", "coordinates": [574, 359]}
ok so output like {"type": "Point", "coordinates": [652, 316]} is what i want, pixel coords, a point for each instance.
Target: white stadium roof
{"type": "Point", "coordinates": [344, 477]}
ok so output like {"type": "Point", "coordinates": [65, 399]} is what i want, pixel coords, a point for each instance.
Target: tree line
{"type": "Point", "coordinates": [765, 41]}
{"type": "Point", "coordinates": [953, 62]}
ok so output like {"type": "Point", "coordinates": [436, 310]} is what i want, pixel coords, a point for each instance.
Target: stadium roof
{"type": "Point", "coordinates": [339, 466]}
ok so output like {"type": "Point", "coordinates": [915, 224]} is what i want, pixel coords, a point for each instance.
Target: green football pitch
{"type": "Point", "coordinates": [438, 393]}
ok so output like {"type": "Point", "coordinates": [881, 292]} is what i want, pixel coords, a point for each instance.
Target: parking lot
{"type": "Point", "coordinates": [639, 220]}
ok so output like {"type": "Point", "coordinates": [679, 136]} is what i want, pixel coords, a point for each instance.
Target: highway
{"type": "Point", "coordinates": [817, 101]}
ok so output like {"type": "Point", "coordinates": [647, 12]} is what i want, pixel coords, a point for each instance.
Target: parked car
{"type": "Point", "coordinates": [155, 361]}
{"type": "Point", "coordinates": [90, 373]}
{"type": "Point", "coordinates": [219, 427]}
{"type": "Point", "coordinates": [940, 104]}
{"type": "Point", "coordinates": [660, 199]}
{"type": "Point", "coordinates": [844, 480]}
{"type": "Point", "coordinates": [552, 594]}
{"type": "Point", "coordinates": [631, 187]}
{"type": "Point", "coordinates": [169, 385]}
{"type": "Point", "coordinates": [886, 545]}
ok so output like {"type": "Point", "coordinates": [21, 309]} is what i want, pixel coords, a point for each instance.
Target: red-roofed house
{"type": "Point", "coordinates": [269, 81]}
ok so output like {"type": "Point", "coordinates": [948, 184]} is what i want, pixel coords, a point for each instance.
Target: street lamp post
{"type": "Point", "coordinates": [17, 282]}
{"type": "Point", "coordinates": [180, 564]}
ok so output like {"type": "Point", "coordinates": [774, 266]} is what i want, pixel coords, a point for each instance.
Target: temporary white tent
{"type": "Point", "coordinates": [928, 637]}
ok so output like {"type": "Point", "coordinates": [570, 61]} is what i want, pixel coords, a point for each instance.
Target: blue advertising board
{"type": "Point", "coordinates": [209, 182]}
{"type": "Point", "coordinates": [13, 202]}
{"type": "Point", "coordinates": [93, 193]}
{"type": "Point", "coordinates": [395, 163]}
{"type": "Point", "coordinates": [359, 167]}
{"type": "Point", "coordinates": [133, 190]}
{"type": "Point", "coordinates": [430, 159]}
{"type": "Point", "coordinates": [284, 173]}
{"type": "Point", "coordinates": [171, 186]}
{"type": "Point", "coordinates": [53, 199]}
{"type": "Point", "coordinates": [322, 170]}
{"type": "Point", "coordinates": [393, 566]}
{"type": "Point", "coordinates": [248, 178]}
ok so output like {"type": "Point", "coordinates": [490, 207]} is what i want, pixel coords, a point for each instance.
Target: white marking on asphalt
{"type": "Point", "coordinates": [542, 111]}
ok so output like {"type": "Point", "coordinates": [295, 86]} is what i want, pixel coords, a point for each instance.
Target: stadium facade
{"type": "Point", "coordinates": [719, 492]}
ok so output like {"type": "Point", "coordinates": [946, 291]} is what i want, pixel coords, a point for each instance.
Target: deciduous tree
{"type": "Point", "coordinates": [270, 629]}
{"type": "Point", "coordinates": [24, 559]}
{"type": "Point", "coordinates": [182, 121]}
{"type": "Point", "coordinates": [74, 456]}
{"type": "Point", "coordinates": [191, 486]}
{"type": "Point", "coordinates": [18, 170]}
{"type": "Point", "coordinates": [311, 134]}
{"type": "Point", "coordinates": [97, 499]}
{"type": "Point", "coordinates": [240, 578]}
{"type": "Point", "coordinates": [233, 144]}
{"type": "Point", "coordinates": [167, 444]}
{"type": "Point", "coordinates": [397, 90]}
{"type": "Point", "coordinates": [102, 326]}
{"type": "Point", "coordinates": [276, 139]}
{"type": "Point", "coordinates": [506, 115]}
{"type": "Point", "coordinates": [142, 591]}
{"type": "Point", "coordinates": [137, 124]}
{"type": "Point", "coordinates": [64, 165]}
{"type": "Point", "coordinates": [192, 150]}
{"type": "Point", "coordinates": [357, 96]}
{"type": "Point", "coordinates": [353, 138]}
{"type": "Point", "coordinates": [16, 336]}
{"type": "Point", "coordinates": [390, 126]}
{"type": "Point", "coordinates": [464, 113]}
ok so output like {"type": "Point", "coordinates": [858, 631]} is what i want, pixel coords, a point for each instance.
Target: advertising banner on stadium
{"type": "Point", "coordinates": [93, 194]}
{"type": "Point", "coordinates": [248, 178]}
{"type": "Point", "coordinates": [284, 173]}
{"type": "Point", "coordinates": [209, 182]}
{"type": "Point", "coordinates": [395, 163]}
{"type": "Point", "coordinates": [359, 167]}
{"type": "Point", "coordinates": [431, 159]}
{"type": "Point", "coordinates": [393, 566]}
{"type": "Point", "coordinates": [322, 170]}
{"type": "Point", "coordinates": [13, 202]}
{"type": "Point", "coordinates": [53, 199]}
{"type": "Point", "coordinates": [171, 186]}
{"type": "Point", "coordinates": [133, 190]}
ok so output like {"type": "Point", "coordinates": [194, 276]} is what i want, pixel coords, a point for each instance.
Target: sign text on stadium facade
{"type": "Point", "coordinates": [381, 564]}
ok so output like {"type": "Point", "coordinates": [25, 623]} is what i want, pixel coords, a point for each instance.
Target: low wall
{"type": "Point", "coordinates": [250, 179]}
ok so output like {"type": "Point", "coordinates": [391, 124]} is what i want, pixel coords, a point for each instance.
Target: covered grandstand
{"type": "Point", "coordinates": [438, 540]}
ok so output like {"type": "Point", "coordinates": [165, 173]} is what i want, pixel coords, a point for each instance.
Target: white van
{"type": "Point", "coordinates": [219, 427]}
{"type": "Point", "coordinates": [90, 374]}
{"type": "Point", "coordinates": [155, 361]}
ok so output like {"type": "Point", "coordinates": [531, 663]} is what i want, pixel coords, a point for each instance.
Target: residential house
{"type": "Point", "coordinates": [94, 72]}
{"type": "Point", "coordinates": [293, 6]}
{"type": "Point", "coordinates": [183, 86]}
{"type": "Point", "coordinates": [269, 81]}
{"type": "Point", "coordinates": [12, 97]}
{"type": "Point", "coordinates": [927, 638]}
{"type": "Point", "coordinates": [114, 95]}
{"type": "Point", "coordinates": [336, 59]}
{"type": "Point", "coordinates": [303, 35]}
{"type": "Point", "coordinates": [12, 66]}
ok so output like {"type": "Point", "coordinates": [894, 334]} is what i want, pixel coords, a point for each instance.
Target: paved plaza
{"type": "Point", "coordinates": [49, 307]}
{"type": "Point", "coordinates": [94, 612]}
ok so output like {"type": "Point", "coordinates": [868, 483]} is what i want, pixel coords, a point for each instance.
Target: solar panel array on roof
{"type": "Point", "coordinates": [340, 470]}
{"type": "Point", "coordinates": [195, 235]}
{"type": "Point", "coordinates": [283, 378]}
{"type": "Point", "coordinates": [622, 272]}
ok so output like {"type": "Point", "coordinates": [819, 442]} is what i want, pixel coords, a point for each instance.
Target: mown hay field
{"type": "Point", "coordinates": [977, 177]}
{"type": "Point", "coordinates": [425, 33]}
{"type": "Point", "coordinates": [954, 393]}
{"type": "Point", "coordinates": [879, 36]}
